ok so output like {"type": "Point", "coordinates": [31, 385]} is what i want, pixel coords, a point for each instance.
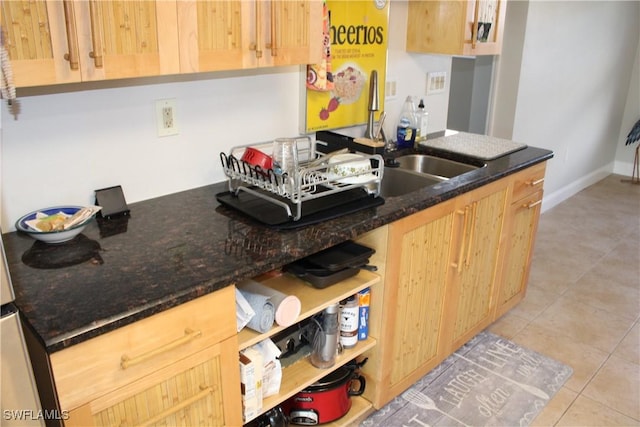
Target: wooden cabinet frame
{"type": "Point", "coordinates": [302, 373]}
{"type": "Point", "coordinates": [444, 277]}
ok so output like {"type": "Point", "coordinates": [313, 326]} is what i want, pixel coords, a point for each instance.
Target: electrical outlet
{"type": "Point", "coordinates": [436, 82]}
{"type": "Point", "coordinates": [166, 117]}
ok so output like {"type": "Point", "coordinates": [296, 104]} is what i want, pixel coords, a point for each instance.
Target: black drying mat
{"type": "Point", "coordinates": [313, 211]}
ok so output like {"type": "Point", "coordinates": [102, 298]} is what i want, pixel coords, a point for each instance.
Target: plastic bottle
{"type": "Point", "coordinates": [349, 318]}
{"type": "Point", "coordinates": [407, 124]}
{"type": "Point", "coordinates": [422, 116]}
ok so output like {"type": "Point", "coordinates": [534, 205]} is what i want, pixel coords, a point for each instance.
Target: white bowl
{"type": "Point", "coordinates": [350, 168]}
{"type": "Point", "coordinates": [58, 236]}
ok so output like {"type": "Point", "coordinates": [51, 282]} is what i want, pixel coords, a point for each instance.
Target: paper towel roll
{"type": "Point", "coordinates": [244, 311]}
{"type": "Point", "coordinates": [265, 311]}
{"type": "Point", "coordinates": [287, 307]}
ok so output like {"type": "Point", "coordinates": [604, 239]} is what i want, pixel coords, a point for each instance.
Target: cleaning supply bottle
{"type": "Point", "coordinates": [407, 124]}
{"type": "Point", "coordinates": [422, 116]}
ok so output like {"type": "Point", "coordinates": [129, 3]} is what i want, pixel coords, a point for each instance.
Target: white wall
{"type": "Point", "coordinates": [64, 145]}
{"type": "Point", "coordinates": [565, 91]}
{"type": "Point", "coordinates": [571, 75]}
{"type": "Point", "coordinates": [625, 153]}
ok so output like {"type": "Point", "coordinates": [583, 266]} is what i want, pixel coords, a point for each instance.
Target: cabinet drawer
{"type": "Point", "coordinates": [528, 181]}
{"type": "Point", "coordinates": [102, 364]}
{"type": "Point", "coordinates": [193, 391]}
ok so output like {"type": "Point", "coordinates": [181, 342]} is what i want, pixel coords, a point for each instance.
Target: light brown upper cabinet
{"type": "Point", "coordinates": [53, 41]}
{"type": "Point", "coordinates": [68, 41]}
{"type": "Point", "coordinates": [456, 27]}
{"type": "Point", "coordinates": [235, 34]}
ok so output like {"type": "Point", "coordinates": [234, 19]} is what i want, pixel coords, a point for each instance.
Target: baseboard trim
{"type": "Point", "coordinates": [623, 168]}
{"type": "Point", "coordinates": [551, 200]}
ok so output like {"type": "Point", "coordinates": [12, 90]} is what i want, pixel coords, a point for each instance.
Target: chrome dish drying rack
{"type": "Point", "coordinates": [312, 179]}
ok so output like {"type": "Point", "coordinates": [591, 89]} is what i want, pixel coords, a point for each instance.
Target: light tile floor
{"type": "Point", "coordinates": [583, 305]}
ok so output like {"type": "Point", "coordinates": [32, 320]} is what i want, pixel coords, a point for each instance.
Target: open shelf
{"type": "Point", "coordinates": [302, 373]}
{"type": "Point", "coordinates": [313, 300]}
{"type": "Point", "coordinates": [359, 408]}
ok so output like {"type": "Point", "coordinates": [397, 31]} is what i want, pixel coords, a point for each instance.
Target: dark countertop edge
{"type": "Point", "coordinates": [405, 207]}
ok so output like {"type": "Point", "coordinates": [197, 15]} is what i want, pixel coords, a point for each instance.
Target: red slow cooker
{"type": "Point", "coordinates": [325, 400]}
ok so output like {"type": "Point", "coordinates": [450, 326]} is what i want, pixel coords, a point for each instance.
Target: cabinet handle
{"type": "Point", "coordinates": [274, 44]}
{"type": "Point", "coordinates": [189, 334]}
{"type": "Point", "coordinates": [458, 265]}
{"type": "Point", "coordinates": [536, 182]}
{"type": "Point", "coordinates": [258, 47]}
{"type": "Point", "coordinates": [474, 28]}
{"type": "Point", "coordinates": [96, 34]}
{"type": "Point", "coordinates": [532, 204]}
{"type": "Point", "coordinates": [72, 35]}
{"type": "Point", "coordinates": [471, 233]}
{"type": "Point", "coordinates": [205, 390]}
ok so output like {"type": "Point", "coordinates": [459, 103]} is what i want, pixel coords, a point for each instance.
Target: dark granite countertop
{"type": "Point", "coordinates": [182, 246]}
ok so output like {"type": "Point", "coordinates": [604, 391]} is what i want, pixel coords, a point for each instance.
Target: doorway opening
{"type": "Point", "coordinates": [470, 93]}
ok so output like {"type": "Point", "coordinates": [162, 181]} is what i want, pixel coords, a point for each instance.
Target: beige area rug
{"type": "Point", "coordinates": [490, 381]}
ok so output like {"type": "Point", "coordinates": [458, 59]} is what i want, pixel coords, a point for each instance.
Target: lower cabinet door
{"type": "Point", "coordinates": [196, 390]}
{"type": "Point", "coordinates": [415, 284]}
{"type": "Point", "coordinates": [523, 217]}
{"type": "Point", "coordinates": [473, 285]}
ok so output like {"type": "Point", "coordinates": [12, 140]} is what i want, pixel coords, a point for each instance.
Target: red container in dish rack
{"type": "Point", "coordinates": [255, 157]}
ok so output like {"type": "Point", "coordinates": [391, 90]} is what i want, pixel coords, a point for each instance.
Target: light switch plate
{"type": "Point", "coordinates": [390, 90]}
{"type": "Point", "coordinates": [436, 82]}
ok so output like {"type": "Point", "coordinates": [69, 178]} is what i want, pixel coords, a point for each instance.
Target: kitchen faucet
{"type": "Point", "coordinates": [374, 106]}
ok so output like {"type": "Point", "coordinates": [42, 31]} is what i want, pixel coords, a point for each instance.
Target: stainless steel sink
{"type": "Point", "coordinates": [435, 166]}
{"type": "Point", "coordinates": [396, 182]}
{"type": "Point", "coordinates": [417, 171]}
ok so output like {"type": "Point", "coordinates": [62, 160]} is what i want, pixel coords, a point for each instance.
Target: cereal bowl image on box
{"type": "Point", "coordinates": [348, 84]}
{"type": "Point", "coordinates": [57, 224]}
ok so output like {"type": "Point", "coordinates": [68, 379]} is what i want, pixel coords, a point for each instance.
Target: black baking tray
{"type": "Point", "coordinates": [343, 255]}
{"type": "Point", "coordinates": [331, 265]}
{"type": "Point", "coordinates": [319, 277]}
{"type": "Point", "coordinates": [313, 211]}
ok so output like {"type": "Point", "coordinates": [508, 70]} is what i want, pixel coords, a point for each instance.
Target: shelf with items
{"type": "Point", "coordinates": [312, 300]}
{"type": "Point", "coordinates": [314, 177]}
{"type": "Point", "coordinates": [302, 373]}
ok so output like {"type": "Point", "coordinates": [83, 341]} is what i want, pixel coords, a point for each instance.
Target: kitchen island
{"type": "Point", "coordinates": [174, 249]}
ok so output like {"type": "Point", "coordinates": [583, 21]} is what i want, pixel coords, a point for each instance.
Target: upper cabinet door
{"type": "Point", "coordinates": [213, 34]}
{"type": "Point", "coordinates": [235, 34]}
{"type": "Point", "coordinates": [456, 27]}
{"type": "Point", "coordinates": [127, 38]}
{"type": "Point", "coordinates": [70, 41]}
{"type": "Point", "coordinates": [293, 32]}
{"type": "Point", "coordinates": [41, 42]}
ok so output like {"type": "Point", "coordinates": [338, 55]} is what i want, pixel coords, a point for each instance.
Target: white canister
{"type": "Point", "coordinates": [349, 322]}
